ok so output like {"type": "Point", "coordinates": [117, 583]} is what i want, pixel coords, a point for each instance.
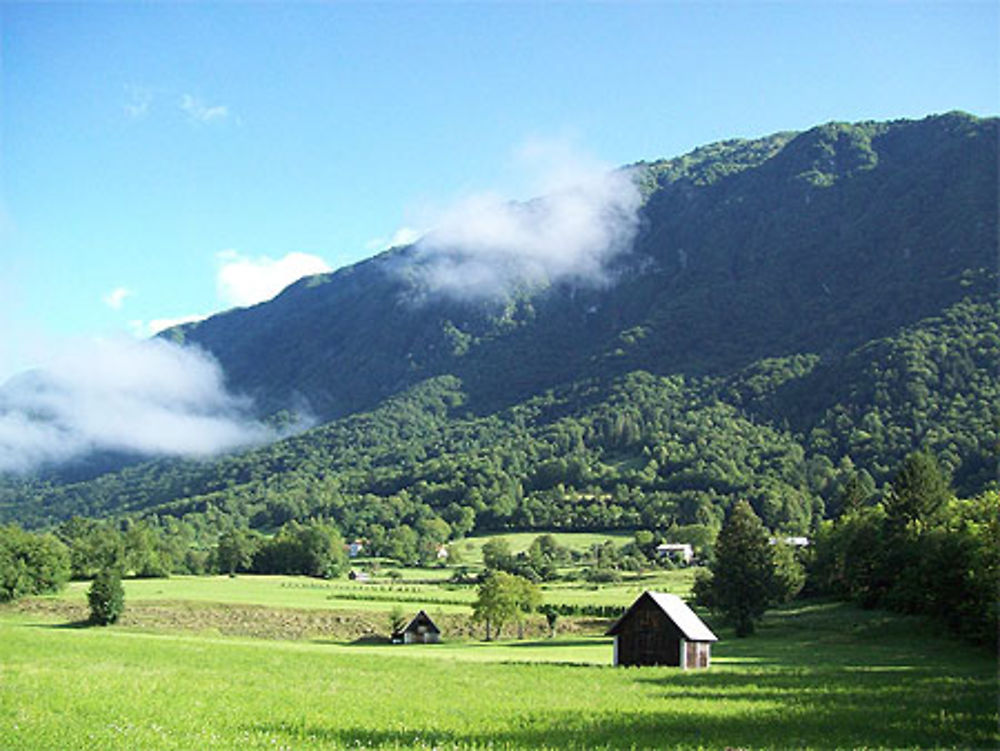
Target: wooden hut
{"type": "Point", "coordinates": [660, 629]}
{"type": "Point", "coordinates": [421, 630]}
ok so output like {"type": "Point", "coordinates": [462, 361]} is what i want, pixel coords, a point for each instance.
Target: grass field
{"type": "Point", "coordinates": [379, 595]}
{"type": "Point", "coordinates": [472, 547]}
{"type": "Point", "coordinates": [820, 676]}
{"type": "Point", "coordinates": [285, 592]}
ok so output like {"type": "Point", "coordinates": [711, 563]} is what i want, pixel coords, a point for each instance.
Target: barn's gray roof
{"type": "Point", "coordinates": [691, 626]}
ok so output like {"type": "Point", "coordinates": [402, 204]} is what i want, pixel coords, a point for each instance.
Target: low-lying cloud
{"type": "Point", "coordinates": [151, 398]}
{"type": "Point", "coordinates": [484, 246]}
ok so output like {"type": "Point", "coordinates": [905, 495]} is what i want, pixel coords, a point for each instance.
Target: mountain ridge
{"type": "Point", "coordinates": [679, 251]}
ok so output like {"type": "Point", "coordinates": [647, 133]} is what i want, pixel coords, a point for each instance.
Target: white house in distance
{"type": "Point", "coordinates": [795, 542]}
{"type": "Point", "coordinates": [680, 549]}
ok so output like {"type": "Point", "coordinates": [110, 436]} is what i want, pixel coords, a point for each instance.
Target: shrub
{"type": "Point", "coordinates": [106, 597]}
{"type": "Point", "coordinates": [600, 575]}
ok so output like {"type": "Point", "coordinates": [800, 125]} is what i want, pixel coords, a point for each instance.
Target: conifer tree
{"type": "Point", "coordinates": [919, 489]}
{"type": "Point", "coordinates": [742, 582]}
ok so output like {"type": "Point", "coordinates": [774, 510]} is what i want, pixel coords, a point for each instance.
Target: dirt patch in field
{"type": "Point", "coordinates": [261, 622]}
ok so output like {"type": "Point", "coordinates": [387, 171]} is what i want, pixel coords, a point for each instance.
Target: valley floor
{"type": "Point", "coordinates": [818, 675]}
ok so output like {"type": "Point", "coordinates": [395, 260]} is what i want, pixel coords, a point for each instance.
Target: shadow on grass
{"type": "Point", "coordinates": [771, 726]}
{"type": "Point", "coordinates": [553, 643]}
{"type": "Point", "coordinates": [384, 642]}
{"type": "Point", "coordinates": [85, 623]}
{"type": "Point", "coordinates": [890, 706]}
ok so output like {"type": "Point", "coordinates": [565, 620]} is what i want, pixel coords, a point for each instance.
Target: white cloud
{"type": "Point", "coordinates": [484, 245]}
{"type": "Point", "coordinates": [400, 238]}
{"type": "Point", "coordinates": [154, 326]}
{"type": "Point", "coordinates": [150, 397]}
{"type": "Point", "coordinates": [116, 297]}
{"type": "Point", "coordinates": [157, 325]}
{"type": "Point", "coordinates": [246, 281]}
{"type": "Point", "coordinates": [240, 281]}
{"type": "Point", "coordinates": [404, 236]}
{"type": "Point", "coordinates": [197, 110]}
{"type": "Point", "coordinates": [139, 100]}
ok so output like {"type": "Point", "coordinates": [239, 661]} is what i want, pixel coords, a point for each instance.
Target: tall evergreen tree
{"type": "Point", "coordinates": [919, 490]}
{"type": "Point", "coordinates": [742, 582]}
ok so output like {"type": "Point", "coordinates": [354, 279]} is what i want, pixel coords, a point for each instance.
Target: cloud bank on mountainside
{"type": "Point", "coordinates": [150, 398]}
{"type": "Point", "coordinates": [484, 246]}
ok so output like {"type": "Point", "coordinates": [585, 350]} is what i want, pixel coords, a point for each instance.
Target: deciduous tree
{"type": "Point", "coordinates": [235, 550]}
{"type": "Point", "coordinates": [501, 598]}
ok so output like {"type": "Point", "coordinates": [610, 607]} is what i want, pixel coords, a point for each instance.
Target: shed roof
{"type": "Point", "coordinates": [422, 618]}
{"type": "Point", "coordinates": [691, 626]}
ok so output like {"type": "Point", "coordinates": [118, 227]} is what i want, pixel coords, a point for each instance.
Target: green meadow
{"type": "Point", "coordinates": [818, 675]}
{"type": "Point", "coordinates": [471, 548]}
{"type": "Point", "coordinates": [380, 594]}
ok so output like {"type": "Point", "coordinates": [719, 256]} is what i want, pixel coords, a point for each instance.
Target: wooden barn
{"type": "Point", "coordinates": [660, 629]}
{"type": "Point", "coordinates": [421, 630]}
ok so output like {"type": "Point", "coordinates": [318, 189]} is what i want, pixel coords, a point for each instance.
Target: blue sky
{"type": "Point", "coordinates": [164, 160]}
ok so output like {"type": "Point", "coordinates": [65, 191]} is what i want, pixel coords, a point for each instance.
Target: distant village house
{"type": "Point", "coordinates": [355, 548]}
{"type": "Point", "coordinates": [675, 550]}
{"type": "Point", "coordinates": [660, 629]}
{"type": "Point", "coordinates": [795, 542]}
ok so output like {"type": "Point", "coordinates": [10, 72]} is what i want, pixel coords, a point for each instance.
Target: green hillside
{"type": "Point", "coordinates": [809, 243]}
{"type": "Point", "coordinates": [793, 310]}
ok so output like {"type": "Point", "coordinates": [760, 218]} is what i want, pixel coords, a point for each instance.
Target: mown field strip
{"type": "Point", "coordinates": [305, 593]}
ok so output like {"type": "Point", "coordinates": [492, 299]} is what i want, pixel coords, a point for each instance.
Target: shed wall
{"type": "Point", "coordinates": [648, 637]}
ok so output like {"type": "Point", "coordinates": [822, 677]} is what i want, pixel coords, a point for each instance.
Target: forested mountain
{"type": "Point", "coordinates": [790, 311]}
{"type": "Point", "coordinates": [815, 243]}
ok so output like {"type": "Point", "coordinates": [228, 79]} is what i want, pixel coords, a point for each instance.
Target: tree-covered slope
{"type": "Point", "coordinates": [636, 450]}
{"type": "Point", "coordinates": [815, 242]}
{"type": "Point", "coordinates": [792, 310]}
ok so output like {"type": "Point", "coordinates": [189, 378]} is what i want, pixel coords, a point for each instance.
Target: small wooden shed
{"type": "Point", "coordinates": [660, 629]}
{"type": "Point", "coordinates": [421, 630]}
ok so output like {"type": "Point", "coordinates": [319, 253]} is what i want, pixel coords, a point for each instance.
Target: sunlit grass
{"type": "Point", "coordinates": [277, 591]}
{"type": "Point", "coordinates": [817, 676]}
{"type": "Point", "coordinates": [471, 548]}
{"type": "Point", "coordinates": [679, 582]}
{"type": "Point", "coordinates": [380, 596]}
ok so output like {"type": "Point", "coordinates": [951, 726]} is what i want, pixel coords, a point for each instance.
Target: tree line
{"type": "Point", "coordinates": [642, 451]}
{"type": "Point", "coordinates": [914, 549]}
{"type": "Point", "coordinates": [910, 546]}
{"type": "Point", "coordinates": [37, 563]}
